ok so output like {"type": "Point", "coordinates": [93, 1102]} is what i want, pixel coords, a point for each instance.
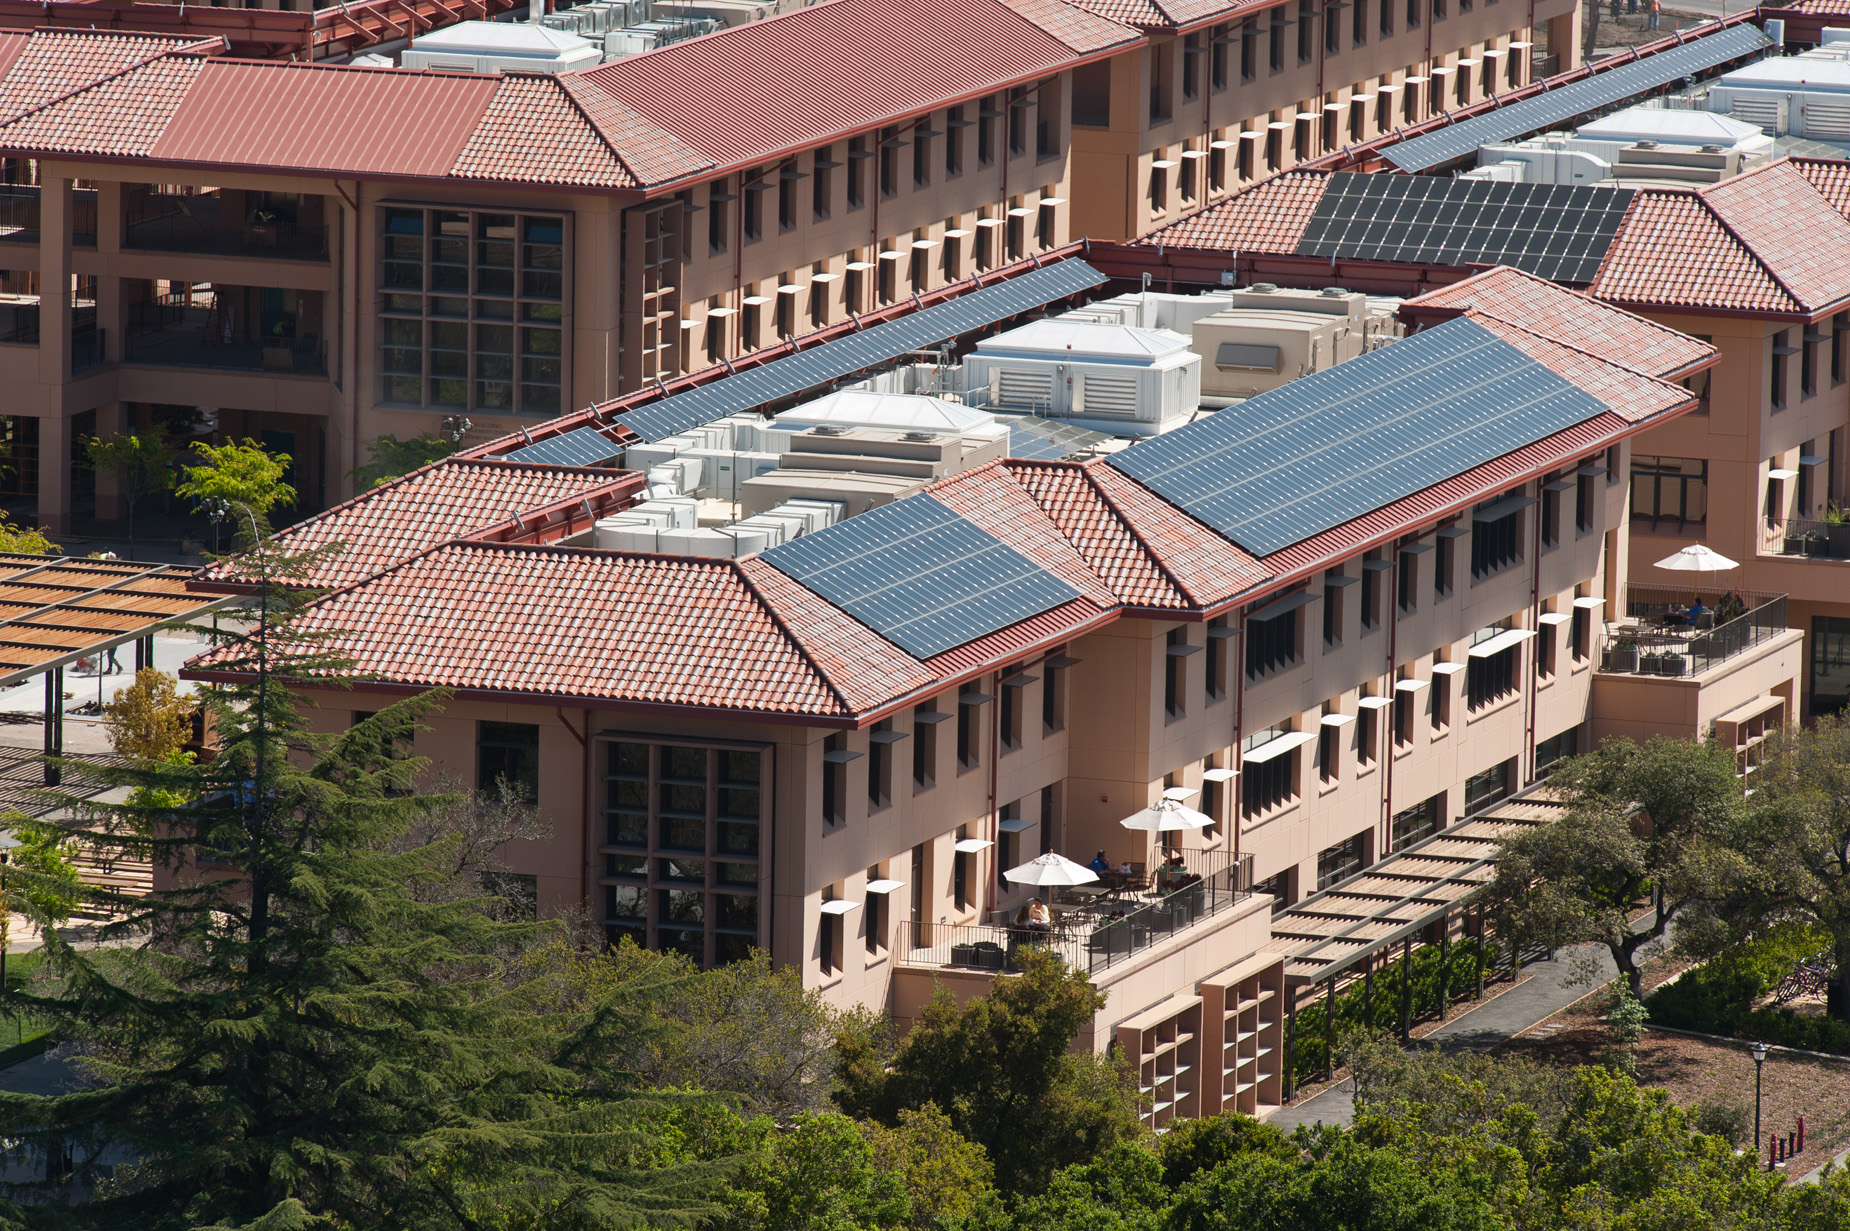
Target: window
{"type": "Point", "coordinates": [890, 145]}
{"type": "Point", "coordinates": [874, 912]}
{"type": "Point", "coordinates": [1018, 125]}
{"type": "Point", "coordinates": [1277, 49]}
{"type": "Point", "coordinates": [1403, 717]}
{"type": "Point", "coordinates": [1008, 840]}
{"type": "Point", "coordinates": [921, 156]}
{"type": "Point", "coordinates": [1840, 324]}
{"type": "Point", "coordinates": [1371, 592]}
{"type": "Point", "coordinates": [1216, 673]}
{"type": "Point", "coordinates": [1332, 31]}
{"type": "Point", "coordinates": [857, 158]}
{"type": "Point", "coordinates": [1161, 61]}
{"type": "Point", "coordinates": [1217, 73]}
{"type": "Point", "coordinates": [1334, 584]}
{"type": "Point", "coordinates": [1413, 14]}
{"type": "Point", "coordinates": [830, 940]}
{"type": "Point", "coordinates": [1495, 543]}
{"type": "Point", "coordinates": [1830, 664]}
{"type": "Point", "coordinates": [1387, 18]}
{"type": "Point", "coordinates": [1579, 637]}
{"type": "Point", "coordinates": [1408, 581]}
{"type": "Point", "coordinates": [488, 335]}
{"type": "Point", "coordinates": [1053, 693]}
{"type": "Point", "coordinates": [1190, 176]}
{"type": "Point", "coordinates": [1491, 677]}
{"type": "Point", "coordinates": [1442, 562]}
{"type": "Point", "coordinates": [954, 125]}
{"type": "Point", "coordinates": [1326, 752]}
{"type": "Point", "coordinates": [1547, 636]}
{"type": "Point", "coordinates": [1367, 732]}
{"type": "Point", "coordinates": [508, 752]}
{"type": "Point", "coordinates": [1421, 821]}
{"type": "Point", "coordinates": [718, 216]}
{"type": "Point", "coordinates": [1584, 508]}
{"type": "Point", "coordinates": [1268, 784]}
{"type": "Point", "coordinates": [1307, 9]}
{"type": "Point", "coordinates": [1555, 748]}
{"type": "Point", "coordinates": [822, 182]}
{"type": "Point", "coordinates": [1808, 363]}
{"type": "Point", "coordinates": [1341, 861]}
{"type": "Point", "coordinates": [880, 765]}
{"type": "Point", "coordinates": [1439, 709]}
{"type": "Point", "coordinates": [1175, 674]}
{"type": "Point", "coordinates": [925, 720]}
{"type": "Point", "coordinates": [1217, 164]}
{"type": "Point", "coordinates": [1191, 66]}
{"type": "Point", "coordinates": [1009, 716]}
{"type": "Point", "coordinates": [1358, 28]}
{"type": "Point", "coordinates": [1271, 644]}
{"type": "Point", "coordinates": [1249, 49]}
{"type": "Point", "coordinates": [681, 836]}
{"type": "Point", "coordinates": [986, 114]}
{"type": "Point", "coordinates": [1488, 788]}
{"type": "Point", "coordinates": [835, 758]}
{"type": "Point", "coordinates": [960, 871]}
{"type": "Point", "coordinates": [1614, 455]}
{"type": "Point", "coordinates": [1782, 352]}
{"type": "Point", "coordinates": [1669, 493]}
{"type": "Point", "coordinates": [1159, 188]}
{"type": "Point", "coordinates": [969, 732]}
{"type": "Point", "coordinates": [787, 177]}
{"type": "Point", "coordinates": [1551, 514]}
{"type": "Point", "coordinates": [754, 207]}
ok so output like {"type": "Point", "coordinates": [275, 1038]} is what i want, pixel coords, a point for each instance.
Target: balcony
{"type": "Point", "coordinates": [1657, 637]}
{"type": "Point", "coordinates": [19, 215]}
{"type": "Point", "coordinates": [229, 328]}
{"type": "Point", "coordinates": [1095, 927]}
{"type": "Point", "coordinates": [204, 223]}
{"type": "Point", "coordinates": [1812, 540]}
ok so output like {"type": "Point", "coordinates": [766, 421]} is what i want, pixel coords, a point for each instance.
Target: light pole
{"type": "Point", "coordinates": [1759, 1064]}
{"type": "Point", "coordinates": [8, 843]}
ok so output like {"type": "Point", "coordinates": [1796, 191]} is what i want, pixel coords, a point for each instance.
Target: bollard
{"type": "Point", "coordinates": [1772, 1153]}
{"type": "Point", "coordinates": [1801, 1149]}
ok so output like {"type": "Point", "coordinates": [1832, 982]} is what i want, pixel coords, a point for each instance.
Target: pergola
{"type": "Point", "coordinates": [55, 611]}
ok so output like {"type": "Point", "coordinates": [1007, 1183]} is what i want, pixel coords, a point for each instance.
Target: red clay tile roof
{"type": "Point", "coordinates": [568, 623]}
{"type": "Point", "coordinates": [862, 667]}
{"type": "Point", "coordinates": [1795, 232]}
{"type": "Point", "coordinates": [548, 129]}
{"type": "Point", "coordinates": [1571, 317]}
{"type": "Point", "coordinates": [817, 73]}
{"type": "Point", "coordinates": [1169, 14]}
{"type": "Point", "coordinates": [122, 114]}
{"type": "Point", "coordinates": [445, 500]}
{"type": "Point", "coordinates": [987, 497]}
{"type": "Point", "coordinates": [1268, 217]}
{"type": "Point", "coordinates": [651, 155]}
{"type": "Point", "coordinates": [1071, 23]}
{"type": "Point", "coordinates": [53, 64]}
{"type": "Point", "coordinates": [1830, 176]}
{"type": "Point", "coordinates": [1630, 394]}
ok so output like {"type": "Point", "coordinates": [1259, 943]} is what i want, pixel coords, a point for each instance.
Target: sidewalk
{"type": "Point", "coordinates": [1546, 992]}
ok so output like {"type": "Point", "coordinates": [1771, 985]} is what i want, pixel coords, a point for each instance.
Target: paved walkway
{"type": "Point", "coordinates": [1546, 992]}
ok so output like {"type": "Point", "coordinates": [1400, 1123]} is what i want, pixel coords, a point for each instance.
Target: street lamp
{"type": "Point", "coordinates": [1759, 1064]}
{"type": "Point", "coordinates": [8, 843]}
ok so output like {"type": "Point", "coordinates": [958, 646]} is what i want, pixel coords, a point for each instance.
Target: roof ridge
{"type": "Point", "coordinates": [1721, 220]}
{"type": "Point", "coordinates": [194, 49]}
{"type": "Point", "coordinates": [796, 642]}
{"type": "Point", "coordinates": [570, 88]}
{"type": "Point", "coordinates": [1578, 350]}
{"type": "Point", "coordinates": [1143, 544]}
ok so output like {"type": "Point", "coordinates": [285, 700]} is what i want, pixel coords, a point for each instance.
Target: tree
{"type": "Point", "coordinates": [141, 464]}
{"type": "Point", "coordinates": [1662, 822]}
{"type": "Point", "coordinates": [1802, 835]}
{"type": "Point", "coordinates": [819, 1176]}
{"type": "Point", "coordinates": [38, 880]}
{"type": "Point", "coordinates": [1002, 1070]}
{"type": "Point", "coordinates": [25, 540]}
{"type": "Point", "coordinates": [236, 474]}
{"type": "Point", "coordinates": [291, 1023]}
{"type": "Point", "coordinates": [392, 458]}
{"type": "Point", "coordinates": [947, 1178]}
{"type": "Point", "coordinates": [149, 720]}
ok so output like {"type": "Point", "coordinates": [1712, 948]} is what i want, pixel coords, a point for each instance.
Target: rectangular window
{"type": "Point", "coordinates": [1669, 493]}
{"type": "Point", "coordinates": [1009, 715]}
{"type": "Point", "coordinates": [1808, 363]}
{"type": "Point", "coordinates": [875, 921]}
{"type": "Point", "coordinates": [1175, 674]}
{"type": "Point", "coordinates": [1546, 638]}
{"type": "Point", "coordinates": [1830, 664]}
{"type": "Point", "coordinates": [1367, 733]}
{"type": "Point", "coordinates": [787, 177]}
{"type": "Point", "coordinates": [1495, 544]}
{"type": "Point", "coordinates": [1191, 66]}
{"type": "Point", "coordinates": [1333, 586]}
{"type": "Point", "coordinates": [925, 720]}
{"type": "Point", "coordinates": [1161, 58]}
{"type": "Point", "coordinates": [1584, 508]}
{"type": "Point", "coordinates": [1442, 563]}
{"type": "Point", "coordinates": [880, 766]}
{"type": "Point", "coordinates": [1403, 717]}
{"type": "Point", "coordinates": [1413, 14]}
{"type": "Point", "coordinates": [1580, 637]}
{"type": "Point", "coordinates": [1387, 18]}
{"type": "Point", "coordinates": [1490, 787]}
{"type": "Point", "coordinates": [835, 757]}
{"type": "Point", "coordinates": [1776, 391]}
{"type": "Point", "coordinates": [1307, 10]}
{"type": "Point", "coordinates": [1339, 862]}
{"type": "Point", "coordinates": [1268, 785]}
{"type": "Point", "coordinates": [890, 144]}
{"type": "Point", "coordinates": [1551, 515]}
{"type": "Point", "coordinates": [1439, 709]}
{"type": "Point", "coordinates": [508, 752]}
{"type": "Point", "coordinates": [1053, 693]}
{"type": "Point", "coordinates": [1491, 678]}
{"type": "Point", "coordinates": [1218, 40]}
{"type": "Point", "coordinates": [754, 207]}
{"type": "Point", "coordinates": [1332, 31]}
{"type": "Point", "coordinates": [831, 939]}
{"type": "Point", "coordinates": [1358, 28]}
{"type": "Point", "coordinates": [969, 734]}
{"type": "Point", "coordinates": [1272, 644]}
{"type": "Point", "coordinates": [719, 204]}
{"type": "Point", "coordinates": [822, 182]}
{"type": "Point", "coordinates": [954, 125]}
{"type": "Point", "coordinates": [1553, 749]}
{"type": "Point", "coordinates": [1840, 325]}
{"type": "Point", "coordinates": [1018, 126]}
{"type": "Point", "coordinates": [1008, 841]}
{"type": "Point", "coordinates": [858, 154]}
{"type": "Point", "coordinates": [921, 157]}
{"type": "Point", "coordinates": [1218, 635]}
{"type": "Point", "coordinates": [960, 871]}
{"type": "Point", "coordinates": [1372, 569]}
{"type": "Point", "coordinates": [1408, 582]}
{"type": "Point", "coordinates": [986, 115]}
{"type": "Point", "coordinates": [1326, 753]}
{"type": "Point", "coordinates": [1249, 49]}
{"type": "Point", "coordinates": [1277, 48]}
{"type": "Point", "coordinates": [1415, 823]}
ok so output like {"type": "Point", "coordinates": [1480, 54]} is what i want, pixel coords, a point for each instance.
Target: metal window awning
{"type": "Point", "coordinates": [1377, 566]}
{"type": "Point", "coordinates": [1562, 485]}
{"type": "Point", "coordinates": [931, 718]}
{"type": "Point", "coordinates": [1785, 350]}
{"type": "Point", "coordinates": [1020, 679]}
{"type": "Point", "coordinates": [1389, 89]}
{"type": "Point", "coordinates": [884, 885]}
{"type": "Point", "coordinates": [840, 906]}
{"type": "Point", "coordinates": [1307, 116]}
{"type": "Point", "coordinates": [989, 222]}
{"type": "Point", "coordinates": [1339, 580]}
{"type": "Point", "coordinates": [1014, 824]}
{"type": "Point", "coordinates": [1447, 669]}
{"type": "Point", "coordinates": [1335, 106]}
{"type": "Point", "coordinates": [1185, 154]}
{"type": "Point", "coordinates": [1812, 459]}
{"type": "Point", "coordinates": [918, 244]}
{"type": "Point", "coordinates": [1443, 70]}
{"type": "Point", "coordinates": [1507, 639]}
{"type": "Point", "coordinates": [1047, 201]}
{"type": "Point", "coordinates": [1253, 134]}
{"type": "Point", "coordinates": [1183, 651]}
{"type": "Point", "coordinates": [840, 756]}
{"type": "Point", "coordinates": [1415, 80]}
{"type": "Point", "coordinates": [970, 846]}
{"type": "Point", "coordinates": [753, 301]}
{"type": "Point", "coordinates": [886, 737]}
{"type": "Point", "coordinates": [1222, 144]}
{"type": "Point", "coordinates": [958, 233]}
{"type": "Point", "coordinates": [1061, 662]}
{"type": "Point", "coordinates": [1555, 618]}
{"type": "Point", "coordinates": [1373, 703]}
{"type": "Point", "coordinates": [1593, 471]}
{"type": "Point", "coordinates": [1494, 53]}
{"type": "Point", "coordinates": [1415, 549]}
{"type": "Point", "coordinates": [891, 255]}
{"type": "Point", "coordinates": [1502, 508]}
{"type": "Point", "coordinates": [1279, 607]}
{"type": "Point", "coordinates": [1338, 720]}
{"type": "Point", "coordinates": [1410, 685]}
{"type": "Point", "coordinates": [825, 278]}
{"type": "Point", "coordinates": [1589, 604]}
{"type": "Point", "coordinates": [859, 266]}
{"type": "Point", "coordinates": [1220, 632]}
{"type": "Point", "coordinates": [975, 698]}
{"type": "Point", "coordinates": [1782, 474]}
{"type": "Point", "coordinates": [1274, 748]}
{"type": "Point", "coordinates": [1467, 62]}
{"type": "Point", "coordinates": [789, 288]}
{"type": "Point", "coordinates": [1164, 164]}
{"type": "Point", "coordinates": [1021, 211]}
{"type": "Point", "coordinates": [722, 312]}
{"type": "Point", "coordinates": [1218, 774]}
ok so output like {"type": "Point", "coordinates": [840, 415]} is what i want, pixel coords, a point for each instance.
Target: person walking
{"type": "Point", "coordinates": [1657, 9]}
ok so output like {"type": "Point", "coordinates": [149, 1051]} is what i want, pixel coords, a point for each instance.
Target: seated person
{"type": "Point", "coordinates": [1100, 863]}
{"type": "Point", "coordinates": [1695, 612]}
{"type": "Point", "coordinates": [1124, 869]}
{"type": "Point", "coordinates": [1025, 915]}
{"type": "Point", "coordinates": [1039, 917]}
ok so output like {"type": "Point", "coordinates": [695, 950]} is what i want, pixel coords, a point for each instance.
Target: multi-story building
{"type": "Point", "coordinates": [1337, 620]}
{"type": "Point", "coordinates": [417, 248]}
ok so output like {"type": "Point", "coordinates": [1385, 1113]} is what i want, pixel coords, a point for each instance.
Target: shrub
{"type": "Point", "coordinates": [1721, 1118]}
{"type": "Point", "coordinates": [1718, 998]}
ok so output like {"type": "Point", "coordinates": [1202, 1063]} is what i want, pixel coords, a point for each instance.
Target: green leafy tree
{"type": "Point", "coordinates": [233, 474]}
{"type": "Point", "coordinates": [292, 1029]}
{"type": "Point", "coordinates": [947, 1178]}
{"type": "Point", "coordinates": [1661, 822]}
{"type": "Point", "coordinates": [149, 720]}
{"type": "Point", "coordinates": [391, 458]}
{"type": "Point", "coordinates": [1801, 835]}
{"type": "Point", "coordinates": [820, 1176]}
{"type": "Point", "coordinates": [1002, 1070]}
{"type": "Point", "coordinates": [39, 880]}
{"type": "Point", "coordinates": [141, 463]}
{"type": "Point", "coordinates": [26, 540]}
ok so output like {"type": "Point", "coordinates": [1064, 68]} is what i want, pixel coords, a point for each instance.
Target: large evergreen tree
{"type": "Point", "coordinates": [291, 1034]}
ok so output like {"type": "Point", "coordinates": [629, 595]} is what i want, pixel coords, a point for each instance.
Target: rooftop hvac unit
{"type": "Point", "coordinates": [1775, 29]}
{"type": "Point", "coordinates": [772, 528]}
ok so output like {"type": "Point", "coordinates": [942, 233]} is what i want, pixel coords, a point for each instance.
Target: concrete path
{"type": "Point", "coordinates": [1546, 992]}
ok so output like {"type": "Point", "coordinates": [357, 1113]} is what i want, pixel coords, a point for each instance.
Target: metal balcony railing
{"type": "Point", "coordinates": [1818, 540]}
{"type": "Point", "coordinates": [1656, 636]}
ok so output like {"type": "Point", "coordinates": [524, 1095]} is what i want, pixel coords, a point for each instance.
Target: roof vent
{"type": "Point", "coordinates": [920, 436]}
{"type": "Point", "coordinates": [1647, 145]}
{"type": "Point", "coordinates": [1711, 149]}
{"type": "Point", "coordinates": [1263, 288]}
{"type": "Point", "coordinates": [826, 429]}
{"type": "Point", "coordinates": [1335, 292]}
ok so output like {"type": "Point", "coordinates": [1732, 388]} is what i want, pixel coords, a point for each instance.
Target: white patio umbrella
{"type": "Point", "coordinates": [1697, 559]}
{"type": "Point", "coordinates": [1046, 871]}
{"type": "Point", "coordinates": [1166, 815]}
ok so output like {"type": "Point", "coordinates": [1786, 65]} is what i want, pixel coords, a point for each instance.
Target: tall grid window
{"type": "Point", "coordinates": [472, 309]}
{"type": "Point", "coordinates": [681, 848]}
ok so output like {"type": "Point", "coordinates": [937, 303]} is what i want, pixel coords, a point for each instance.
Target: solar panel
{"type": "Point", "coordinates": [920, 575]}
{"type": "Point", "coordinates": [1041, 440]}
{"type": "Point", "coordinates": [1577, 98]}
{"type": "Point", "coordinates": [585, 446]}
{"type": "Point", "coordinates": [1328, 448]}
{"type": "Point", "coordinates": [1559, 232]}
{"type": "Point", "coordinates": [859, 351]}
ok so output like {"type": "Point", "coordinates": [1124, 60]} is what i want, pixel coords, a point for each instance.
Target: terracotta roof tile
{"type": "Point", "coordinates": [651, 155]}
{"type": "Point", "coordinates": [1071, 23]}
{"type": "Point", "coordinates": [1795, 232]}
{"type": "Point", "coordinates": [775, 93]}
{"type": "Point", "coordinates": [1672, 251]}
{"type": "Point", "coordinates": [1208, 566]}
{"type": "Point", "coordinates": [1268, 217]}
{"type": "Point", "coordinates": [121, 115]}
{"type": "Point", "coordinates": [1571, 317]}
{"type": "Point", "coordinates": [1830, 176]}
{"type": "Point", "coordinates": [567, 623]}
{"type": "Point", "coordinates": [446, 500]}
{"type": "Point", "coordinates": [864, 668]}
{"type": "Point", "coordinates": [54, 63]}
{"type": "Point", "coordinates": [1628, 393]}
{"type": "Point", "coordinates": [989, 497]}
{"type": "Point", "coordinates": [531, 133]}
{"type": "Point", "coordinates": [1167, 14]}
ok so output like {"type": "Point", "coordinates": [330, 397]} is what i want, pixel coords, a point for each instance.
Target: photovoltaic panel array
{"type": "Point", "coordinates": [1602, 89]}
{"type": "Point", "coordinates": [585, 446]}
{"type": "Point", "coordinates": [1048, 441]}
{"type": "Point", "coordinates": [1328, 448]}
{"type": "Point", "coordinates": [924, 577]}
{"type": "Point", "coordinates": [858, 351]}
{"type": "Point", "coordinates": [1555, 231]}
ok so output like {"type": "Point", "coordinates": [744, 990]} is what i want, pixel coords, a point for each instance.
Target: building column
{"type": "Point", "coordinates": [1564, 33]}
{"type": "Point", "coordinates": [55, 352]}
{"type": "Point", "coordinates": [111, 420]}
